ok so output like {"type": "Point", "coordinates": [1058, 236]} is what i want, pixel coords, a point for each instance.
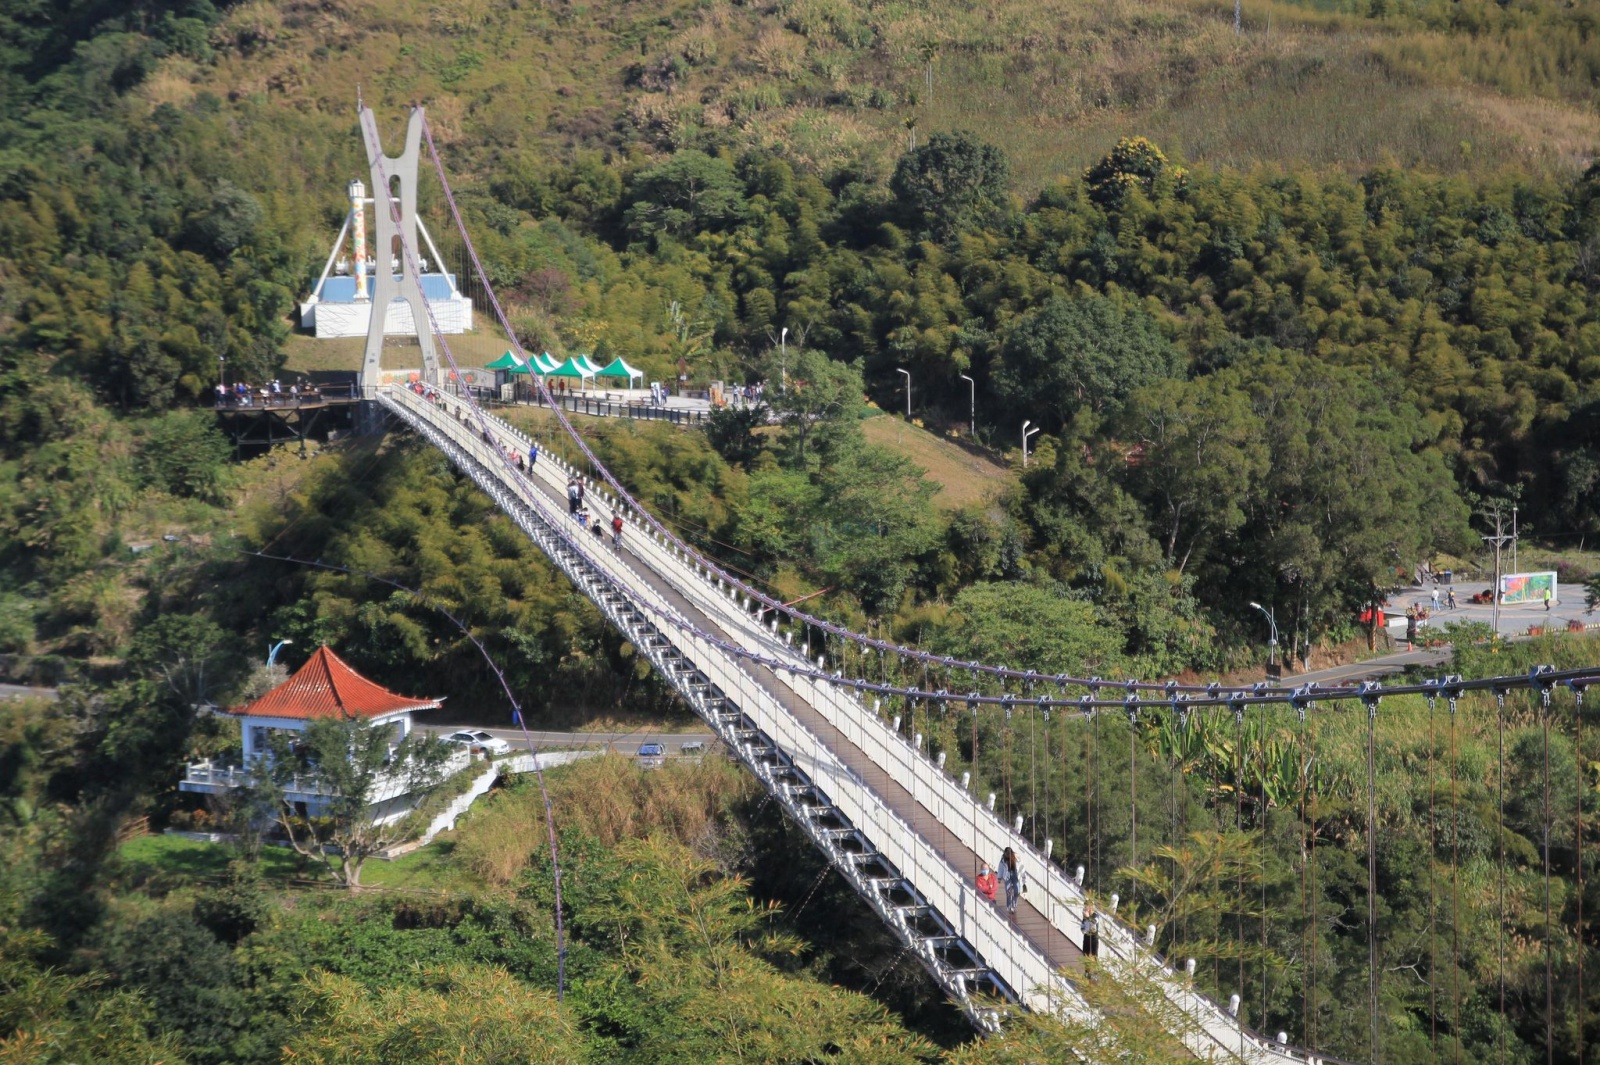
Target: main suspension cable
{"type": "Point", "coordinates": [1500, 828]}
{"type": "Point", "coordinates": [1004, 674]}
{"type": "Point", "coordinates": [1372, 867]}
{"type": "Point", "coordinates": [1433, 950]}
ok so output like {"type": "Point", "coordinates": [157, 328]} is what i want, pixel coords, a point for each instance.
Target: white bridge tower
{"type": "Point", "coordinates": [402, 283]}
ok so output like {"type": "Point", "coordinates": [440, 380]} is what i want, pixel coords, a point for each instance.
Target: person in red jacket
{"type": "Point", "coordinates": [988, 883]}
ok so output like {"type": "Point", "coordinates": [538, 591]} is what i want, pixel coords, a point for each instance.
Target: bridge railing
{"type": "Point", "coordinates": [1208, 1028]}
{"type": "Point", "coordinates": [612, 408]}
{"type": "Point", "coordinates": [258, 399]}
{"type": "Point", "coordinates": [1011, 956]}
{"type": "Point", "coordinates": [1021, 965]}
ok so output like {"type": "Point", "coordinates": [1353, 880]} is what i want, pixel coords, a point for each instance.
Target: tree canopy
{"type": "Point", "coordinates": [1082, 353]}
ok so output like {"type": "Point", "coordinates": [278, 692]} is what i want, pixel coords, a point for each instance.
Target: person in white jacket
{"type": "Point", "coordinates": [1011, 876]}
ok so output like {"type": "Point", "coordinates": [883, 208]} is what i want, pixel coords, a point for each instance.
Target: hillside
{"type": "Point", "coordinates": [838, 84]}
{"type": "Point", "coordinates": [1293, 311]}
{"type": "Point", "coordinates": [963, 477]}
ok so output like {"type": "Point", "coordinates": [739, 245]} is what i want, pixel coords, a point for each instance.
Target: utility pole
{"type": "Point", "coordinates": [1499, 540]}
{"type": "Point", "coordinates": [908, 391]}
{"type": "Point", "coordinates": [972, 409]}
{"type": "Point", "coordinates": [1238, 15]}
{"type": "Point", "coordinates": [1514, 538]}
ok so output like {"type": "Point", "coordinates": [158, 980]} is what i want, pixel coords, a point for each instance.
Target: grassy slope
{"type": "Point", "coordinates": [183, 859]}
{"type": "Point", "coordinates": [477, 348]}
{"type": "Point", "coordinates": [963, 478]}
{"type": "Point", "coordinates": [1054, 82]}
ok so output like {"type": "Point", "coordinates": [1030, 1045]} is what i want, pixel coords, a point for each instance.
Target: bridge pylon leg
{"type": "Point", "coordinates": [387, 285]}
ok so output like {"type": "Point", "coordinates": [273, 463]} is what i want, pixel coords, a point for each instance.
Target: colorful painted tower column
{"type": "Point", "coordinates": [358, 236]}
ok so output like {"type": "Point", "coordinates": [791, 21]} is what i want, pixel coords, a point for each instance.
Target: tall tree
{"type": "Point", "coordinates": [688, 193]}
{"type": "Point", "coordinates": [809, 390]}
{"type": "Point", "coordinates": [350, 765]}
{"type": "Point", "coordinates": [1088, 352]}
{"type": "Point", "coordinates": [1201, 454]}
{"type": "Point", "coordinates": [951, 183]}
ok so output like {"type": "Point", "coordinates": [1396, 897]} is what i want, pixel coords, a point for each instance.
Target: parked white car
{"type": "Point", "coordinates": [479, 740]}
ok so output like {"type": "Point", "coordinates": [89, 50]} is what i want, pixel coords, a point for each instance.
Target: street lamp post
{"type": "Point", "coordinates": [222, 371]}
{"type": "Point", "coordinates": [272, 655]}
{"type": "Point", "coordinates": [972, 407]}
{"type": "Point", "coordinates": [1026, 433]}
{"type": "Point", "coordinates": [908, 390]}
{"type": "Point", "coordinates": [1272, 642]}
{"type": "Point", "coordinates": [1513, 538]}
{"type": "Point", "coordinates": [783, 356]}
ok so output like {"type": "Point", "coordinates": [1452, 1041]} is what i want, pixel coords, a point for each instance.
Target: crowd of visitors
{"type": "Point", "coordinates": [746, 397]}
{"type": "Point", "coordinates": [271, 394]}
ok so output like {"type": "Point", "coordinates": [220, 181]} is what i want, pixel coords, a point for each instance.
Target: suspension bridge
{"type": "Point", "coordinates": [826, 740]}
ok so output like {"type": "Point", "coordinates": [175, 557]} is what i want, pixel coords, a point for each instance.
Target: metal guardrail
{"type": "Point", "coordinates": [924, 901]}
{"type": "Point", "coordinates": [256, 401]}
{"type": "Point", "coordinates": [1205, 1027]}
{"type": "Point", "coordinates": [608, 408]}
{"type": "Point", "coordinates": [385, 787]}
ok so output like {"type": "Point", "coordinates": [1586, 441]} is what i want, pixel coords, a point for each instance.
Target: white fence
{"type": "Point", "coordinates": [1208, 1030]}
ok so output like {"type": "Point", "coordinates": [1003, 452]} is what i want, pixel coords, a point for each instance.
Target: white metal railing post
{"type": "Point", "coordinates": [840, 708]}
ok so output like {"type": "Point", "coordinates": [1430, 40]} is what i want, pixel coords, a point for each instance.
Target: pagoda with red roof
{"type": "Point", "coordinates": [325, 687]}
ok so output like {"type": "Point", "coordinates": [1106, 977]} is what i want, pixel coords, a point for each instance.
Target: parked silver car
{"type": "Point", "coordinates": [479, 740]}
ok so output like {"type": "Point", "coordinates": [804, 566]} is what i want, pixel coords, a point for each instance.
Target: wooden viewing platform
{"type": "Point", "coordinates": [262, 419]}
{"type": "Point", "coordinates": [260, 400]}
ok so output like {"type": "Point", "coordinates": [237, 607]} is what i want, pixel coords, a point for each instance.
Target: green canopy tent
{"type": "Point", "coordinates": [588, 367]}
{"type": "Point", "coordinates": [544, 364]}
{"type": "Point", "coordinates": [618, 368]}
{"type": "Point", "coordinates": [572, 370]}
{"type": "Point", "coordinates": [508, 361]}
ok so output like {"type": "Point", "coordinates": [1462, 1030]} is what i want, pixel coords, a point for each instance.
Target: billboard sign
{"type": "Point", "coordinates": [1527, 588]}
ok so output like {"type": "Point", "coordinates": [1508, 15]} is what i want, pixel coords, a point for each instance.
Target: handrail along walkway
{"type": "Point", "coordinates": [1202, 1024]}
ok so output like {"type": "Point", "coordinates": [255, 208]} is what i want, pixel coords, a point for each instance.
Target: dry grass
{"type": "Point", "coordinates": [1549, 132]}
{"type": "Point", "coordinates": [963, 478]}
{"type": "Point", "coordinates": [610, 798]}
{"type": "Point", "coordinates": [306, 353]}
{"type": "Point", "coordinates": [831, 83]}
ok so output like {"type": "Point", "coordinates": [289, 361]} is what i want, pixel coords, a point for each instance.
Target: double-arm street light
{"type": "Point", "coordinates": [972, 409]}
{"type": "Point", "coordinates": [1026, 433]}
{"type": "Point", "coordinates": [908, 391]}
{"type": "Point", "coordinates": [1272, 643]}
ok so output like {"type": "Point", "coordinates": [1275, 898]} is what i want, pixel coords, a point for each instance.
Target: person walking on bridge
{"type": "Point", "coordinates": [1011, 877]}
{"type": "Point", "coordinates": [616, 533]}
{"type": "Point", "coordinates": [573, 496]}
{"type": "Point", "coordinates": [987, 884]}
{"type": "Point", "coordinates": [1091, 931]}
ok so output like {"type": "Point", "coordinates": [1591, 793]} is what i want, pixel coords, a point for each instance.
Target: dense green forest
{"type": "Point", "coordinates": [1278, 350]}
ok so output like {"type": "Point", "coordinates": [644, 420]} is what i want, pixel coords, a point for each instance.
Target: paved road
{"type": "Point", "coordinates": [1514, 623]}
{"type": "Point", "coordinates": [621, 742]}
{"type": "Point", "coordinates": [20, 691]}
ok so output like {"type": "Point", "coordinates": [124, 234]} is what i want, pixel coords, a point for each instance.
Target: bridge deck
{"type": "Point", "coordinates": [933, 826]}
{"type": "Point", "coordinates": [1045, 937]}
